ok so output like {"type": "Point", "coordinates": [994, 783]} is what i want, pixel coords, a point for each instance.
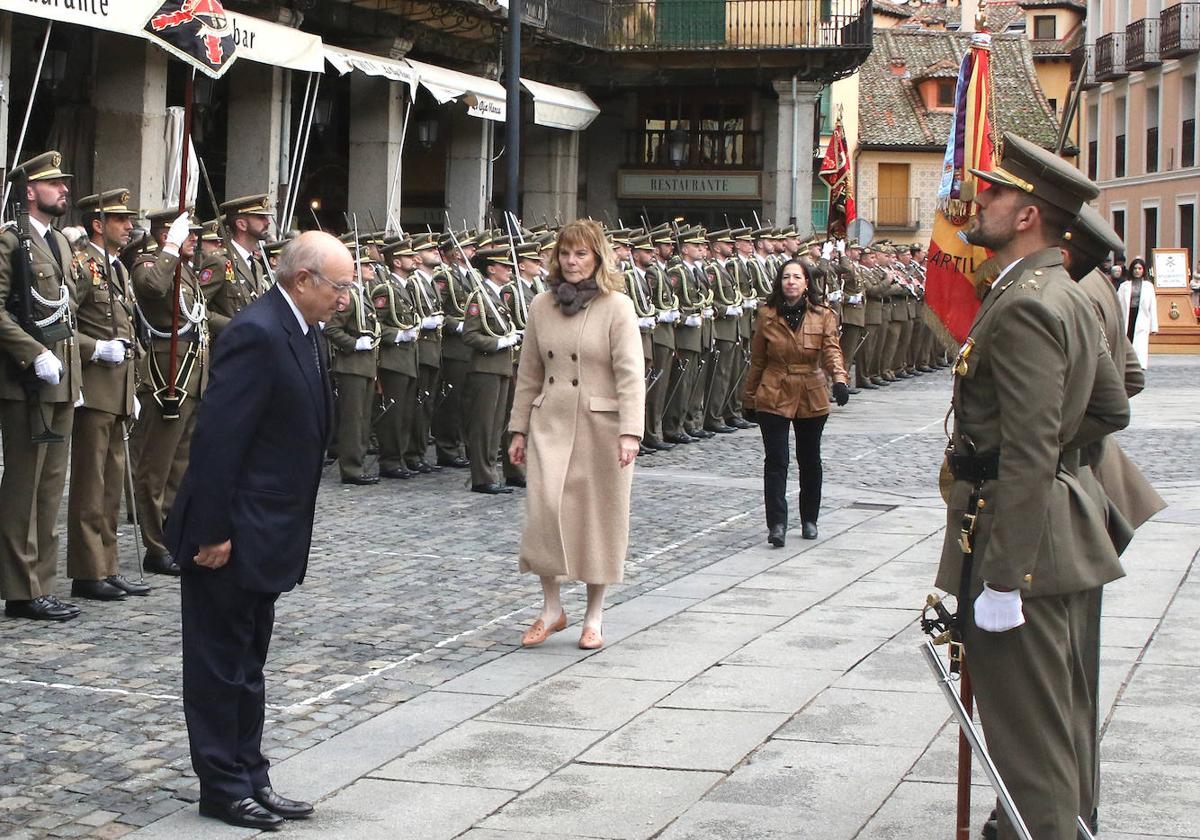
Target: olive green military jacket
{"type": "Point", "coordinates": [238, 282]}
{"type": "Point", "coordinates": [691, 302]}
{"type": "Point", "coordinates": [428, 302]}
{"type": "Point", "coordinates": [664, 299]}
{"type": "Point", "coordinates": [18, 349]}
{"type": "Point", "coordinates": [396, 313]}
{"type": "Point", "coordinates": [725, 295]}
{"type": "Point", "coordinates": [153, 286]}
{"type": "Point", "coordinates": [343, 331]}
{"type": "Point", "coordinates": [897, 295]}
{"type": "Point", "coordinates": [1033, 385]}
{"type": "Point", "coordinates": [876, 291]}
{"type": "Point", "coordinates": [517, 295]}
{"type": "Point", "coordinates": [486, 320]}
{"type": "Point", "coordinates": [455, 286]}
{"type": "Point", "coordinates": [853, 284]}
{"type": "Point", "coordinates": [104, 309]}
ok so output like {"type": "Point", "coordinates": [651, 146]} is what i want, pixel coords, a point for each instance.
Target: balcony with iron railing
{"type": "Point", "coordinates": [896, 212]}
{"type": "Point", "coordinates": [670, 25]}
{"type": "Point", "coordinates": [1110, 57]}
{"type": "Point", "coordinates": [1141, 44]}
{"type": "Point", "coordinates": [1179, 34]}
{"type": "Point", "coordinates": [693, 149]}
{"type": "Point", "coordinates": [1083, 60]}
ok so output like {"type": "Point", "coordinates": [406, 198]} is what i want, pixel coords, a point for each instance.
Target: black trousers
{"type": "Point", "coordinates": [774, 431]}
{"type": "Point", "coordinates": [226, 633]}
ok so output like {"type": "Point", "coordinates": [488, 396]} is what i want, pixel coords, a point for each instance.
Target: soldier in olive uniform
{"type": "Point", "coordinates": [163, 433]}
{"type": "Point", "coordinates": [694, 420]}
{"type": "Point", "coordinates": [399, 333]}
{"type": "Point", "coordinates": [754, 286]}
{"type": "Point", "coordinates": [427, 298]}
{"type": "Point", "coordinates": [1026, 539]}
{"type": "Point", "coordinates": [517, 295]}
{"type": "Point", "coordinates": [637, 286]}
{"type": "Point", "coordinates": [40, 383]}
{"type": "Point", "coordinates": [727, 314]}
{"type": "Point", "coordinates": [247, 225]}
{"type": "Point", "coordinates": [107, 344]}
{"type": "Point", "coordinates": [666, 305]}
{"type": "Point", "coordinates": [353, 335]}
{"type": "Point", "coordinates": [491, 334]}
{"type": "Point", "coordinates": [456, 280]}
{"type": "Point", "coordinates": [875, 285]}
{"type": "Point", "coordinates": [683, 278]}
{"type": "Point", "coordinates": [854, 313]}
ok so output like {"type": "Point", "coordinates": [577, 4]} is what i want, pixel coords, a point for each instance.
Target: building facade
{"type": "Point", "coordinates": [705, 107]}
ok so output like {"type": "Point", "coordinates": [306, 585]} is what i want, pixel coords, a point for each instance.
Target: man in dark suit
{"type": "Point", "coordinates": [241, 525]}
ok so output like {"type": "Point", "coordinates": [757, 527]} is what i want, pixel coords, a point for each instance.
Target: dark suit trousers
{"type": "Point", "coordinates": [226, 633]}
{"type": "Point", "coordinates": [774, 431]}
{"type": "Point", "coordinates": [31, 490]}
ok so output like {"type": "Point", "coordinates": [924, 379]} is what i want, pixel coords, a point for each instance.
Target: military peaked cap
{"type": "Point", "coordinates": [44, 167]}
{"type": "Point", "coordinates": [1028, 167]}
{"type": "Point", "coordinates": [110, 203]}
{"type": "Point", "coordinates": [248, 205]}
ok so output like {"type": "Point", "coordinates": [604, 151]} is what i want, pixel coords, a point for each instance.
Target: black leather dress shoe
{"type": "Point", "coordinates": [491, 489]}
{"type": "Point", "coordinates": [397, 472]}
{"type": "Point", "coordinates": [515, 481]}
{"type": "Point", "coordinates": [360, 480]}
{"type": "Point", "coordinates": [854, 391]}
{"type": "Point", "coordinates": [96, 590]}
{"type": "Point", "coordinates": [422, 467]}
{"type": "Point", "coordinates": [44, 608]}
{"type": "Point", "coordinates": [879, 381]}
{"type": "Point", "coordinates": [677, 439]}
{"type": "Point", "coordinates": [700, 434]}
{"type": "Point", "coordinates": [776, 535]}
{"type": "Point", "coordinates": [660, 445]}
{"type": "Point", "coordinates": [160, 564]}
{"type": "Point", "coordinates": [719, 430]}
{"type": "Point", "coordinates": [739, 423]}
{"type": "Point", "coordinates": [808, 530]}
{"type": "Point", "coordinates": [990, 830]}
{"type": "Point", "coordinates": [645, 450]}
{"type": "Point", "coordinates": [245, 813]}
{"type": "Point", "coordinates": [289, 809]}
{"type": "Point", "coordinates": [458, 462]}
{"type": "Point", "coordinates": [869, 386]}
{"type": "Point", "coordinates": [130, 587]}
{"type": "Point", "coordinates": [925, 369]}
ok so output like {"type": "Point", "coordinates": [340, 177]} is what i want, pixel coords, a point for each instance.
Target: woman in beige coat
{"type": "Point", "coordinates": [576, 423]}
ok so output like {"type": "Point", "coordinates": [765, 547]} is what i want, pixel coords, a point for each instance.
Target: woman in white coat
{"type": "Point", "coordinates": [1139, 309]}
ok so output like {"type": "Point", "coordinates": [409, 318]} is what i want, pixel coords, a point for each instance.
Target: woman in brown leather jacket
{"type": "Point", "coordinates": [795, 344]}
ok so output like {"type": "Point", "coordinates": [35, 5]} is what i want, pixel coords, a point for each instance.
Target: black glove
{"type": "Point", "coordinates": [841, 393]}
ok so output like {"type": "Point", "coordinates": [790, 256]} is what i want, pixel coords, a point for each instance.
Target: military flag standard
{"type": "Point", "coordinates": [835, 171]}
{"type": "Point", "coordinates": [954, 266]}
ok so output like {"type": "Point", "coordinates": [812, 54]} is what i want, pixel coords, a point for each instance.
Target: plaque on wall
{"type": "Point", "coordinates": [1170, 268]}
{"type": "Point", "coordinates": [737, 185]}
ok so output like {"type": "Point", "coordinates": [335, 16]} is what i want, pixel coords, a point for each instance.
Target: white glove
{"type": "Point", "coordinates": [707, 312]}
{"type": "Point", "coordinates": [505, 341]}
{"type": "Point", "coordinates": [137, 408]}
{"type": "Point", "coordinates": [750, 303]}
{"type": "Point", "coordinates": [411, 335]}
{"type": "Point", "coordinates": [47, 367]}
{"type": "Point", "coordinates": [364, 342]}
{"type": "Point", "coordinates": [178, 232]}
{"type": "Point", "coordinates": [854, 299]}
{"type": "Point", "coordinates": [109, 351]}
{"type": "Point", "coordinates": [459, 329]}
{"type": "Point", "coordinates": [835, 295]}
{"type": "Point", "coordinates": [692, 321]}
{"type": "Point", "coordinates": [440, 319]}
{"type": "Point", "coordinates": [647, 323]}
{"type": "Point", "coordinates": [733, 311]}
{"type": "Point", "coordinates": [996, 611]}
{"type": "Point", "coordinates": [429, 323]}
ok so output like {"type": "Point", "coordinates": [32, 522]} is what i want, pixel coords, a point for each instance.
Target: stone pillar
{"type": "Point", "coordinates": [603, 149]}
{"type": "Point", "coordinates": [376, 119]}
{"type": "Point", "coordinates": [467, 168]}
{"type": "Point", "coordinates": [550, 182]}
{"type": "Point", "coordinates": [131, 120]}
{"type": "Point", "coordinates": [255, 130]}
{"type": "Point", "coordinates": [777, 163]}
{"type": "Point", "coordinates": [6, 98]}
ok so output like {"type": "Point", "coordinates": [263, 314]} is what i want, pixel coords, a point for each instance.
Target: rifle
{"type": "Point", "coordinates": [20, 306]}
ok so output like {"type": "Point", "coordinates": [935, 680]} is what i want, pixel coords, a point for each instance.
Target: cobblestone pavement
{"type": "Point", "coordinates": [412, 583]}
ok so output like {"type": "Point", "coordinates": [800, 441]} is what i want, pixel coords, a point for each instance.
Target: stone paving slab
{"type": "Point", "coordinates": [582, 701]}
{"type": "Point", "coordinates": [746, 688]}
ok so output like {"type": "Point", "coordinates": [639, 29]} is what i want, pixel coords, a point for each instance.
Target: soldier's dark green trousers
{"type": "Point", "coordinates": [355, 394]}
{"type": "Point", "coordinates": [485, 402]}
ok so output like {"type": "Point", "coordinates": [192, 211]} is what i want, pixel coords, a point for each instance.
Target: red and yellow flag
{"type": "Point", "coordinates": [835, 171]}
{"type": "Point", "coordinates": [953, 269]}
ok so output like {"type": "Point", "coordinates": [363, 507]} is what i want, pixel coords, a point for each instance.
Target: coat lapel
{"type": "Point", "coordinates": [302, 352]}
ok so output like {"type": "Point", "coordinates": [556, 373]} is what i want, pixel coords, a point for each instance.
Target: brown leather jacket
{"type": "Point", "coordinates": [786, 376]}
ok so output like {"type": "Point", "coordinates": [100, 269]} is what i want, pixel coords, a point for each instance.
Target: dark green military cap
{"type": "Point", "coordinates": [1093, 235]}
{"type": "Point", "coordinates": [164, 217]}
{"type": "Point", "coordinates": [110, 203]}
{"type": "Point", "coordinates": [663, 235]}
{"type": "Point", "coordinates": [394, 246]}
{"type": "Point", "coordinates": [498, 256]}
{"type": "Point", "coordinates": [1028, 167]}
{"type": "Point", "coordinates": [619, 236]}
{"type": "Point", "coordinates": [211, 232]}
{"type": "Point", "coordinates": [249, 205]}
{"type": "Point", "coordinates": [529, 250]}
{"type": "Point", "coordinates": [642, 243]}
{"type": "Point", "coordinates": [44, 167]}
{"type": "Point", "coordinates": [743, 233]}
{"type": "Point", "coordinates": [273, 248]}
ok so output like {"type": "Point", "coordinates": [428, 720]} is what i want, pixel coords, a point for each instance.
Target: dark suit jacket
{"type": "Point", "coordinates": [257, 451]}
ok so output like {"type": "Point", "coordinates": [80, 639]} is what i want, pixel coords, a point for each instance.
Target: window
{"type": "Point", "coordinates": [1118, 223]}
{"type": "Point", "coordinates": [1044, 28]}
{"type": "Point", "coordinates": [1187, 127]}
{"type": "Point", "coordinates": [1119, 140]}
{"type": "Point", "coordinates": [1149, 231]}
{"type": "Point", "coordinates": [1152, 129]}
{"type": "Point", "coordinates": [1187, 229]}
{"type": "Point", "coordinates": [1093, 144]}
{"type": "Point", "coordinates": [1053, 103]}
{"type": "Point", "coordinates": [893, 209]}
{"type": "Point", "coordinates": [714, 132]}
{"type": "Point", "coordinates": [945, 93]}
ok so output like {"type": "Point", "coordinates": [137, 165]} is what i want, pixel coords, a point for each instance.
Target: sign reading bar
{"type": "Point", "coordinates": [672, 184]}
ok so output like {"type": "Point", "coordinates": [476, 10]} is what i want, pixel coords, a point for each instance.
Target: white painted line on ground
{"type": "Point", "coordinates": [875, 449]}
{"type": "Point", "coordinates": [89, 689]}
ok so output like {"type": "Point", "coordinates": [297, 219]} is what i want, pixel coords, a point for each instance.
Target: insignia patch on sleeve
{"type": "Point", "coordinates": [206, 275]}
{"type": "Point", "coordinates": [381, 301]}
{"type": "Point", "coordinates": [473, 309]}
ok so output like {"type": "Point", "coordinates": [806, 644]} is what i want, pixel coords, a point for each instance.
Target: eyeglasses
{"type": "Point", "coordinates": [337, 287]}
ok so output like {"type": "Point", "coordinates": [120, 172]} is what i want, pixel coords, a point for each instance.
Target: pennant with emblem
{"type": "Point", "coordinates": [198, 32]}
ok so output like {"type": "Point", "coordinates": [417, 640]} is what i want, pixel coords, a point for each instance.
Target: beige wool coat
{"type": "Point", "coordinates": [580, 386]}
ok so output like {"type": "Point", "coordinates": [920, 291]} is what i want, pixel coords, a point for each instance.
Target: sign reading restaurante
{"type": "Point", "coordinates": [718, 186]}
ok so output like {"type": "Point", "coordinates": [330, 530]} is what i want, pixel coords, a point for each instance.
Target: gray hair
{"type": "Point", "coordinates": [305, 252]}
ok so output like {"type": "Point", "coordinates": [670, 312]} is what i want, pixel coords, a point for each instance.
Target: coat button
{"type": "Point", "coordinates": [575, 382]}
{"type": "Point", "coordinates": [551, 380]}
{"type": "Point", "coordinates": [574, 358]}
{"type": "Point", "coordinates": [550, 354]}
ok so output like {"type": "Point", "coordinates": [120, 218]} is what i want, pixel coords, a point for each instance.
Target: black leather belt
{"type": "Point", "coordinates": [975, 468]}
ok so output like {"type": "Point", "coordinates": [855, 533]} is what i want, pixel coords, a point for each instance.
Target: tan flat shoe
{"type": "Point", "coordinates": [591, 639]}
{"type": "Point", "coordinates": [539, 632]}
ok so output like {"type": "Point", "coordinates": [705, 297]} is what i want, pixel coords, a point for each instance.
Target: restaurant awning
{"type": "Point", "coordinates": [484, 97]}
{"type": "Point", "coordinates": [344, 60]}
{"type": "Point", "coordinates": [275, 44]}
{"type": "Point", "coordinates": [558, 107]}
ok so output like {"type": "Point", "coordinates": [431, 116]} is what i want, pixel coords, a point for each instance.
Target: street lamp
{"type": "Point", "coordinates": [322, 112]}
{"type": "Point", "coordinates": [427, 132]}
{"type": "Point", "coordinates": [55, 70]}
{"type": "Point", "coordinates": [677, 143]}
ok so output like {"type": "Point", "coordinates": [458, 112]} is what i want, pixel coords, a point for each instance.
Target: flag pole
{"type": "Point", "coordinates": [171, 400]}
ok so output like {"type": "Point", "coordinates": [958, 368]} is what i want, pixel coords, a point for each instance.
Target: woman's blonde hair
{"type": "Point", "coordinates": [589, 234]}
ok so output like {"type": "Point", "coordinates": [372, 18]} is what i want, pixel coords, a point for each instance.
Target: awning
{"type": "Point", "coordinates": [280, 46]}
{"type": "Point", "coordinates": [559, 107]}
{"type": "Point", "coordinates": [484, 97]}
{"type": "Point", "coordinates": [344, 60]}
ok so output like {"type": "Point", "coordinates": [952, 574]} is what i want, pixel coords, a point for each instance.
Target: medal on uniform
{"type": "Point", "coordinates": [960, 362]}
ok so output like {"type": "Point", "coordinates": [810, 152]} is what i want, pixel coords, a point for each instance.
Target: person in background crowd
{"type": "Point", "coordinates": [1139, 309]}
